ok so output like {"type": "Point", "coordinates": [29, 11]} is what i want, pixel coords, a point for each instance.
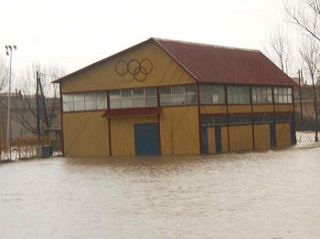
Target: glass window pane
{"type": "Point", "coordinates": [191, 99]}
{"type": "Point", "coordinates": [115, 99]}
{"type": "Point", "coordinates": [90, 101]}
{"type": "Point", "coordinates": [78, 102]}
{"type": "Point", "coordinates": [206, 98]}
{"type": "Point", "coordinates": [280, 98]}
{"type": "Point", "coordinates": [127, 103]}
{"type": "Point", "coordinates": [126, 93]}
{"type": "Point", "coordinates": [166, 100]}
{"type": "Point", "coordinates": [115, 103]}
{"type": "Point", "coordinates": [67, 106]}
{"type": "Point", "coordinates": [102, 101]}
{"type": "Point", "coordinates": [67, 103]}
{"type": "Point", "coordinates": [139, 102]}
{"type": "Point", "coordinates": [215, 99]}
{"type": "Point", "coordinates": [138, 92]}
{"type": "Point", "coordinates": [165, 91]}
{"type": "Point", "coordinates": [178, 90]}
{"type": "Point", "coordinates": [205, 89]}
{"type": "Point", "coordinates": [114, 94]}
{"type": "Point", "coordinates": [191, 89]}
{"type": "Point", "coordinates": [151, 102]}
{"type": "Point", "coordinates": [151, 92]}
{"type": "Point", "coordinates": [178, 99]}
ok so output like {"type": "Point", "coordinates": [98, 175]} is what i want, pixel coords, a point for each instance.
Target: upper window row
{"type": "Point", "coordinates": [178, 95]}
{"type": "Point", "coordinates": [133, 98]}
{"type": "Point", "coordinates": [175, 95]}
{"type": "Point", "coordinates": [84, 101]}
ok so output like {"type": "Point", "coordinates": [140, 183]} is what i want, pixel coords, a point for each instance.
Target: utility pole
{"type": "Point", "coordinates": [38, 106]}
{"type": "Point", "coordinates": [300, 97]}
{"type": "Point", "coordinates": [315, 110]}
{"type": "Point", "coordinates": [9, 49]}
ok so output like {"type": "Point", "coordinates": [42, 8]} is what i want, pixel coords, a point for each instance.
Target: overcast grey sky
{"type": "Point", "coordinates": [73, 34]}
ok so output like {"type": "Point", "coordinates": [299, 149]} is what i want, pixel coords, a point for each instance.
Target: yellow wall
{"type": "Point", "coordinates": [239, 109]}
{"type": "Point", "coordinates": [283, 136]}
{"type": "Point", "coordinates": [284, 108]}
{"type": "Point", "coordinates": [179, 130]}
{"type": "Point", "coordinates": [85, 134]}
{"type": "Point", "coordinates": [212, 140]}
{"type": "Point", "coordinates": [240, 137]}
{"type": "Point", "coordinates": [122, 134]}
{"type": "Point", "coordinates": [216, 109]}
{"type": "Point", "coordinates": [165, 71]}
{"type": "Point", "coordinates": [262, 136]}
{"type": "Point", "coordinates": [262, 108]}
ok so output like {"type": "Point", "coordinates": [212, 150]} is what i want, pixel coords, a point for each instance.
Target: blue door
{"type": "Point", "coordinates": [293, 133]}
{"type": "Point", "coordinates": [204, 140]}
{"type": "Point", "coordinates": [146, 137]}
{"type": "Point", "coordinates": [273, 135]}
{"type": "Point", "coordinates": [218, 139]}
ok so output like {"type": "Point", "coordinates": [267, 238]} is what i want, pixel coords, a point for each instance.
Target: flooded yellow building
{"type": "Point", "coordinates": [165, 97]}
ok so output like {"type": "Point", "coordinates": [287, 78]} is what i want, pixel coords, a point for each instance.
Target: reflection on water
{"type": "Point", "coordinates": [273, 194]}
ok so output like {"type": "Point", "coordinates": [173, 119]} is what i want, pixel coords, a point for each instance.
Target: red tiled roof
{"type": "Point", "coordinates": [214, 64]}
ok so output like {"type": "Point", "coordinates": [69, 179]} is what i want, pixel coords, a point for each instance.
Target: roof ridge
{"type": "Point", "coordinates": [159, 40]}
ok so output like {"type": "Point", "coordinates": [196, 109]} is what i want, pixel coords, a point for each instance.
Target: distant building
{"type": "Point", "coordinates": [23, 106]}
{"type": "Point", "coordinates": [305, 103]}
{"type": "Point", "coordinates": [164, 97]}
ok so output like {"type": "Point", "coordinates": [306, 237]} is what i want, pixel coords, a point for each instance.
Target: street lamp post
{"type": "Point", "coordinates": [9, 49]}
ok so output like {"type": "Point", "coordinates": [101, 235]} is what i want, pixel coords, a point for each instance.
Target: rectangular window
{"type": "Point", "coordinates": [115, 99]}
{"type": "Point", "coordinates": [151, 97]}
{"type": "Point", "coordinates": [282, 95]}
{"type": "Point", "coordinates": [214, 121]}
{"type": "Point", "coordinates": [78, 102]}
{"type": "Point", "coordinates": [263, 119]}
{"type": "Point", "coordinates": [137, 98]}
{"type": "Point", "coordinates": [240, 119]}
{"type": "Point", "coordinates": [126, 99]}
{"type": "Point", "coordinates": [284, 117]}
{"type": "Point", "coordinates": [90, 101]}
{"type": "Point", "coordinates": [101, 100]}
{"type": "Point", "coordinates": [67, 100]}
{"type": "Point", "coordinates": [212, 94]}
{"type": "Point", "coordinates": [238, 94]}
{"type": "Point", "coordinates": [261, 95]}
{"type": "Point", "coordinates": [84, 101]}
{"type": "Point", "coordinates": [178, 95]}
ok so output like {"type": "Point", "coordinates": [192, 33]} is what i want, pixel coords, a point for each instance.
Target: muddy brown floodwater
{"type": "Point", "coordinates": [269, 194]}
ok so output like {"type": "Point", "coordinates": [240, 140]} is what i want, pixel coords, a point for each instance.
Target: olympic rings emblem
{"type": "Point", "coordinates": [138, 70]}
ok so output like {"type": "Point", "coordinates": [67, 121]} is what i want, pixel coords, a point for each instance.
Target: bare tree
{"type": "Point", "coordinates": [306, 15]}
{"type": "Point", "coordinates": [3, 74]}
{"type": "Point", "coordinates": [38, 103]}
{"type": "Point", "coordinates": [279, 49]}
{"type": "Point", "coordinates": [309, 52]}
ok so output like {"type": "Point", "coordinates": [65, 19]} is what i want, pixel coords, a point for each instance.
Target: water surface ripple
{"type": "Point", "coordinates": [270, 194]}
